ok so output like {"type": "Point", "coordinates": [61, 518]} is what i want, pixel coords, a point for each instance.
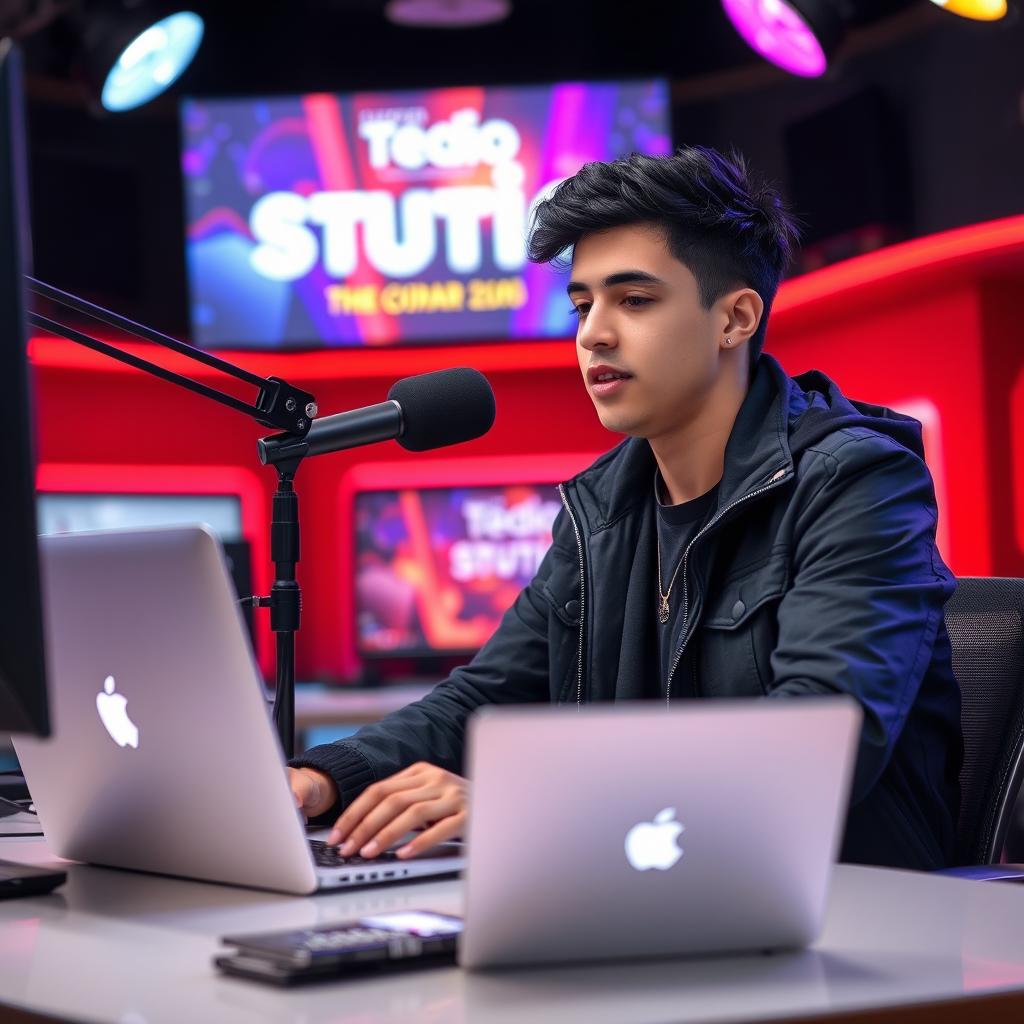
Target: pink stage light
{"type": "Point", "coordinates": [778, 32]}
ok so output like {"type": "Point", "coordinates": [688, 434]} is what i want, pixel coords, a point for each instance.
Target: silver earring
{"type": "Point", "coordinates": [728, 341]}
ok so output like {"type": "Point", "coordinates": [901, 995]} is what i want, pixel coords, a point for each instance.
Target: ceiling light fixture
{"type": "Point", "coordinates": [978, 10]}
{"type": "Point", "coordinates": [129, 60]}
{"type": "Point", "coordinates": [446, 13]}
{"type": "Point", "coordinates": [798, 36]}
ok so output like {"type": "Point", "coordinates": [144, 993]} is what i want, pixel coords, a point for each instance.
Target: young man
{"type": "Point", "coordinates": [755, 535]}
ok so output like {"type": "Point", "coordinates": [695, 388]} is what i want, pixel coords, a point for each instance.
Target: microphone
{"type": "Point", "coordinates": [430, 410]}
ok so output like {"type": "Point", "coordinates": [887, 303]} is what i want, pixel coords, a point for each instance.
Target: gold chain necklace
{"type": "Point", "coordinates": [663, 606]}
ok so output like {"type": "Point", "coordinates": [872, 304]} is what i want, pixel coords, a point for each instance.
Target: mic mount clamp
{"type": "Point", "coordinates": [278, 405]}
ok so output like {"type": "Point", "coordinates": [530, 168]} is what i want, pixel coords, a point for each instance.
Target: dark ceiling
{"type": "Point", "coordinates": [309, 45]}
{"type": "Point", "coordinates": [107, 206]}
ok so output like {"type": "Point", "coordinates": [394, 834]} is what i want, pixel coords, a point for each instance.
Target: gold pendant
{"type": "Point", "coordinates": [663, 611]}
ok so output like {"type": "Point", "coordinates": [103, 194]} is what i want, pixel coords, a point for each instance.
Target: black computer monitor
{"type": "Point", "coordinates": [23, 703]}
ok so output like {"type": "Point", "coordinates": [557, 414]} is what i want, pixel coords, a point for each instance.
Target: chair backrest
{"type": "Point", "coordinates": [985, 620]}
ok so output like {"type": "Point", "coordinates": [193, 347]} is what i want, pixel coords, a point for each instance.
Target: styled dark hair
{"type": "Point", "coordinates": [727, 228]}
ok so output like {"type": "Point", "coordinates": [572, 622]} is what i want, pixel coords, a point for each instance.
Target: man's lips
{"type": "Point", "coordinates": [606, 381]}
{"type": "Point", "coordinates": [604, 374]}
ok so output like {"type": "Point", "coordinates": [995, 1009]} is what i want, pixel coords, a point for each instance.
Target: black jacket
{"type": "Point", "coordinates": [817, 573]}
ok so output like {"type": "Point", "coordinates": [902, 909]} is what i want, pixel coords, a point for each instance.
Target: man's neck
{"type": "Point", "coordinates": [691, 458]}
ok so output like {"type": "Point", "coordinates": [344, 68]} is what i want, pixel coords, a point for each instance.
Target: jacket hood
{"type": "Point", "coordinates": [827, 409]}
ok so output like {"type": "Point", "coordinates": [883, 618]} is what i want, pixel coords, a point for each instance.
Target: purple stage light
{"type": "Point", "coordinates": [780, 33]}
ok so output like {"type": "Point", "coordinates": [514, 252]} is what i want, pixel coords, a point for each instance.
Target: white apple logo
{"type": "Point", "coordinates": [111, 707]}
{"type": "Point", "coordinates": [652, 844]}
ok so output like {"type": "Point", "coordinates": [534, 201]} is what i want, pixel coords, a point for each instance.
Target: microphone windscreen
{"type": "Point", "coordinates": [442, 408]}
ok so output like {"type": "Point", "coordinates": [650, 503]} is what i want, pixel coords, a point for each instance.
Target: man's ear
{"type": "Point", "coordinates": [743, 311]}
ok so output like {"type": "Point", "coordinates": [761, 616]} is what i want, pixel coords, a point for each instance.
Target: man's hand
{"type": "Point", "coordinates": [314, 791]}
{"type": "Point", "coordinates": [422, 796]}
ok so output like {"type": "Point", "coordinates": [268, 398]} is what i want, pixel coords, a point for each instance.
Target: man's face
{"type": "Point", "coordinates": [640, 317]}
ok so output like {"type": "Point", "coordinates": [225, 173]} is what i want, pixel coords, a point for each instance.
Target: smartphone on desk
{"type": "Point", "coordinates": [399, 939]}
{"type": "Point", "coordinates": [27, 880]}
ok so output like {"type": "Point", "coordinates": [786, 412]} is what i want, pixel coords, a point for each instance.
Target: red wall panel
{"type": "Point", "coordinates": [929, 326]}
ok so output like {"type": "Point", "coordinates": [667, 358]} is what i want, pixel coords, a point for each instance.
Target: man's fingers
{"type": "Point", "coordinates": [301, 787]}
{"type": "Point", "coordinates": [370, 798]}
{"type": "Point", "coordinates": [314, 790]}
{"type": "Point", "coordinates": [422, 813]}
{"type": "Point", "coordinates": [386, 811]}
{"type": "Point", "coordinates": [447, 828]}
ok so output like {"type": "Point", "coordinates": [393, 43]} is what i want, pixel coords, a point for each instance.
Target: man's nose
{"type": "Point", "coordinates": [596, 331]}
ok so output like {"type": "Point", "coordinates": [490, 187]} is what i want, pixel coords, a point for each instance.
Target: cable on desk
{"type": "Point", "coordinates": [8, 808]}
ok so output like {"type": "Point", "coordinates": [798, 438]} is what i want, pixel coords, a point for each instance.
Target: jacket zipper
{"type": "Point", "coordinates": [686, 605]}
{"type": "Point", "coordinates": [583, 595]}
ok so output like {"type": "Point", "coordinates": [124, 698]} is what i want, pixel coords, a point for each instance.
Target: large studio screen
{"type": "Point", "coordinates": [389, 218]}
{"type": "Point", "coordinates": [436, 568]}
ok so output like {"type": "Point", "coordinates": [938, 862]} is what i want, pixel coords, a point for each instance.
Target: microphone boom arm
{"type": "Point", "coordinates": [278, 404]}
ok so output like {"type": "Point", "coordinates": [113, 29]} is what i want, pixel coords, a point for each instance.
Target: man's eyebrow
{"type": "Point", "coordinates": [622, 277]}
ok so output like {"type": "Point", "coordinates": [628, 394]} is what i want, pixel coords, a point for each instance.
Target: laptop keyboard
{"type": "Point", "coordinates": [325, 856]}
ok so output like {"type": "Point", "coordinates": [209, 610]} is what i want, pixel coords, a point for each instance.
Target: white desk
{"type": "Point", "coordinates": [133, 949]}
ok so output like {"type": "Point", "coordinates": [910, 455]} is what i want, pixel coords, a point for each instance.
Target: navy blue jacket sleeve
{"type": "Point", "coordinates": [512, 667]}
{"type": "Point", "coordinates": [868, 589]}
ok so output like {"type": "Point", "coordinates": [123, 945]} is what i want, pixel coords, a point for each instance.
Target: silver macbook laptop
{"type": "Point", "coordinates": [163, 756]}
{"type": "Point", "coordinates": [636, 831]}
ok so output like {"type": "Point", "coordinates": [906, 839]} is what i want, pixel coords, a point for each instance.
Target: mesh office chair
{"type": "Point", "coordinates": [985, 620]}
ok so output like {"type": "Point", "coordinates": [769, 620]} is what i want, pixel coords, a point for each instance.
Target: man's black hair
{"type": "Point", "coordinates": [728, 229]}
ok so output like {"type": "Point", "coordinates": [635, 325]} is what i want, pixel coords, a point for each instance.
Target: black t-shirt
{"type": "Point", "coordinates": [677, 526]}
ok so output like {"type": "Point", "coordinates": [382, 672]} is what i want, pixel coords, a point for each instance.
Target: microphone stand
{"type": "Point", "coordinates": [279, 405]}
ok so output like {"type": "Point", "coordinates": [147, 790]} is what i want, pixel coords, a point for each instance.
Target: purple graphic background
{"type": "Point", "coordinates": [433, 574]}
{"type": "Point", "coordinates": [237, 151]}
